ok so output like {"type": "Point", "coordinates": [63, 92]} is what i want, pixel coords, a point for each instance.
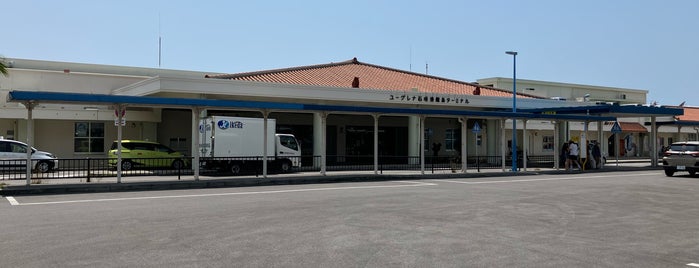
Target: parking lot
{"type": "Point", "coordinates": [605, 219]}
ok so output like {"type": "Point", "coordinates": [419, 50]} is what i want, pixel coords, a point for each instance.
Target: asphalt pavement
{"type": "Point", "coordinates": [620, 218]}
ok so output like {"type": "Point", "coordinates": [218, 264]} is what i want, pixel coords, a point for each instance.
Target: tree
{"type": "Point", "coordinates": [3, 67]}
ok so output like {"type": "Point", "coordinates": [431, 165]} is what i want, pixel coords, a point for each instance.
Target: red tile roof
{"type": "Point", "coordinates": [629, 127]}
{"type": "Point", "coordinates": [352, 73]}
{"type": "Point", "coordinates": [690, 114]}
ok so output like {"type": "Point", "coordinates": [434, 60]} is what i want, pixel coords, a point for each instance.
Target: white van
{"type": "Point", "coordinates": [13, 155]}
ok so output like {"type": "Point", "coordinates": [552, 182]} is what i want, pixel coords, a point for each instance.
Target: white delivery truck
{"type": "Point", "coordinates": [235, 144]}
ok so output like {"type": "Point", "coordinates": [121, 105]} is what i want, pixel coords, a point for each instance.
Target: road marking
{"type": "Point", "coordinates": [409, 184]}
{"type": "Point", "coordinates": [12, 200]}
{"type": "Point", "coordinates": [693, 264]}
{"type": "Point", "coordinates": [547, 179]}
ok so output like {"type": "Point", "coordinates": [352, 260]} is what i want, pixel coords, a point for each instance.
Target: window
{"type": "Point", "coordinates": [692, 136]}
{"type": "Point", "coordinates": [11, 147]}
{"type": "Point", "coordinates": [450, 139]}
{"type": "Point", "coordinates": [428, 134]}
{"type": "Point", "coordinates": [547, 144]}
{"type": "Point", "coordinates": [179, 144]}
{"type": "Point", "coordinates": [288, 142]}
{"type": "Point", "coordinates": [88, 137]}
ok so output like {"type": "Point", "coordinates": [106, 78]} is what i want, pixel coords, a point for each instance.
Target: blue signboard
{"type": "Point", "coordinates": [616, 128]}
{"type": "Point", "coordinates": [476, 128]}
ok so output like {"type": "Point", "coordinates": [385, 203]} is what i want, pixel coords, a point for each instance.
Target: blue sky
{"type": "Point", "coordinates": [651, 45]}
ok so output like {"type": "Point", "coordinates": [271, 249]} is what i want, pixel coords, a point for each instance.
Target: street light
{"type": "Point", "coordinates": [514, 108]}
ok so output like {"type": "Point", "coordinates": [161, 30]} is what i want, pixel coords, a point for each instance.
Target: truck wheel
{"type": "Point", "coordinates": [235, 168]}
{"type": "Point", "coordinates": [669, 172]}
{"type": "Point", "coordinates": [285, 166]}
{"type": "Point", "coordinates": [126, 165]}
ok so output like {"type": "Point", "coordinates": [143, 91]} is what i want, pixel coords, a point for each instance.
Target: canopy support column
{"type": "Point", "coordinates": [30, 138]}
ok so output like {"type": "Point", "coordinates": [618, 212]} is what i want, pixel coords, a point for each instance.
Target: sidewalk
{"type": "Point", "coordinates": [146, 183]}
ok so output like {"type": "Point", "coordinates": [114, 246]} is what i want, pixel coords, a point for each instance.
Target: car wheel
{"type": "Point", "coordinates": [692, 173]}
{"type": "Point", "coordinates": [177, 164]}
{"type": "Point", "coordinates": [669, 172]}
{"type": "Point", "coordinates": [126, 165]}
{"type": "Point", "coordinates": [43, 167]}
{"type": "Point", "coordinates": [235, 168]}
{"type": "Point", "coordinates": [285, 166]}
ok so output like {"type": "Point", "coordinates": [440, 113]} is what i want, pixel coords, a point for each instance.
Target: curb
{"type": "Point", "coordinates": [249, 182]}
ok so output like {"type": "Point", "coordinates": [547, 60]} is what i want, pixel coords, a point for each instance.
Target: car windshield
{"type": "Point", "coordinates": [684, 147]}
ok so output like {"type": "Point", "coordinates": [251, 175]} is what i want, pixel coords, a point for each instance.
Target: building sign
{"type": "Point", "coordinates": [427, 99]}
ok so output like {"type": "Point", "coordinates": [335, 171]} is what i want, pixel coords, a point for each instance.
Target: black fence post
{"type": "Point", "coordinates": [478, 163]}
{"type": "Point", "coordinates": [88, 170]}
{"type": "Point", "coordinates": [380, 165]}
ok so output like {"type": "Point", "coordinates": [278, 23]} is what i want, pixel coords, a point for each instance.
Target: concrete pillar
{"type": "Point", "coordinates": [195, 141]}
{"type": "Point", "coordinates": [556, 146]}
{"type": "Point", "coordinates": [422, 144]}
{"type": "Point", "coordinates": [265, 142]}
{"type": "Point", "coordinates": [120, 110]}
{"type": "Point", "coordinates": [414, 140]}
{"type": "Point", "coordinates": [30, 139]}
{"type": "Point", "coordinates": [464, 144]}
{"type": "Point", "coordinates": [317, 137]}
{"type": "Point", "coordinates": [525, 144]}
{"type": "Point", "coordinates": [654, 140]}
{"type": "Point", "coordinates": [601, 142]}
{"type": "Point", "coordinates": [376, 143]}
{"type": "Point", "coordinates": [503, 143]}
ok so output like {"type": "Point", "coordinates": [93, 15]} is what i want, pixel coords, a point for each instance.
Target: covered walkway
{"type": "Point", "coordinates": [600, 113]}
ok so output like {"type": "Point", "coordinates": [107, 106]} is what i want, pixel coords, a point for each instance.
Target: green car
{"type": "Point", "coordinates": [146, 154]}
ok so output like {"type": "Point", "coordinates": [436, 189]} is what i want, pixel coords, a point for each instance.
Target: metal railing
{"type": "Point", "coordinates": [89, 168]}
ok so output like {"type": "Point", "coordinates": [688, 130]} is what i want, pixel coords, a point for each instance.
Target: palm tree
{"type": "Point", "coordinates": [3, 67]}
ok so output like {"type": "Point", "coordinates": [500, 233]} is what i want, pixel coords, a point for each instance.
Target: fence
{"type": "Point", "coordinates": [89, 168]}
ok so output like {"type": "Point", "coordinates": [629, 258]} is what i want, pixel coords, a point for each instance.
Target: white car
{"type": "Point", "coordinates": [13, 155]}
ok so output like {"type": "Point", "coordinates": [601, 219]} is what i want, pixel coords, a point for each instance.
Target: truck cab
{"type": "Point", "coordinates": [287, 145]}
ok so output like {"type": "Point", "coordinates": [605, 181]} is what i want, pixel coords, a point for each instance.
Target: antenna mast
{"type": "Point", "coordinates": [160, 43]}
{"type": "Point", "coordinates": [411, 58]}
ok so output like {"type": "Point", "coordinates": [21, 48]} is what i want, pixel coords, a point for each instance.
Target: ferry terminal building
{"type": "Point", "coordinates": [341, 111]}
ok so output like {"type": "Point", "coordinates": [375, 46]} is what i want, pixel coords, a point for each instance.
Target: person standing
{"type": "Point", "coordinates": [563, 157]}
{"type": "Point", "coordinates": [573, 153]}
{"type": "Point", "coordinates": [596, 156]}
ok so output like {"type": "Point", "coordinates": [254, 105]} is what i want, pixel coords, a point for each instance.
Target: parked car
{"type": "Point", "coordinates": [146, 154]}
{"type": "Point", "coordinates": [681, 156]}
{"type": "Point", "coordinates": [13, 156]}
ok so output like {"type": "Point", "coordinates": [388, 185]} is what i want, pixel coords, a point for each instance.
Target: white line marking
{"type": "Point", "coordinates": [416, 182]}
{"type": "Point", "coordinates": [547, 179]}
{"type": "Point", "coordinates": [693, 264]}
{"type": "Point", "coordinates": [12, 200]}
{"type": "Point", "coordinates": [227, 194]}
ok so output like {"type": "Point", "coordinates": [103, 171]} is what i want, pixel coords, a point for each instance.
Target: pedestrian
{"type": "Point", "coordinates": [573, 153]}
{"type": "Point", "coordinates": [596, 155]}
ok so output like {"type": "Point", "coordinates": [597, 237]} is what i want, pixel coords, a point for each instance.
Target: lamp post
{"type": "Point", "coordinates": [514, 109]}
